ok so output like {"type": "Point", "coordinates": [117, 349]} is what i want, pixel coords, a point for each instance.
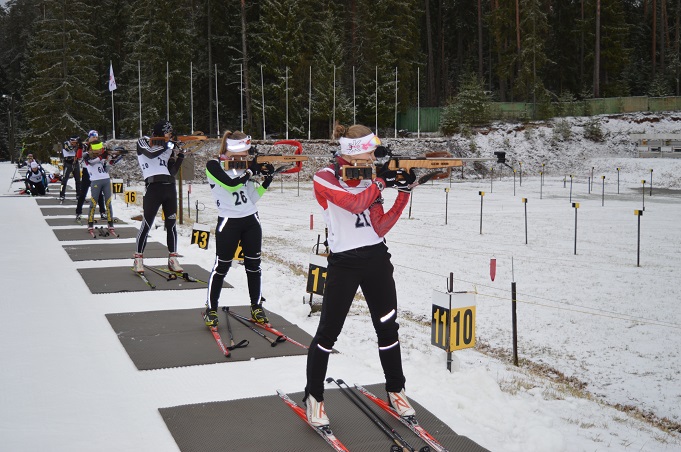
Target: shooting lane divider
{"type": "Point", "coordinates": [200, 235]}
{"type": "Point", "coordinates": [453, 322]}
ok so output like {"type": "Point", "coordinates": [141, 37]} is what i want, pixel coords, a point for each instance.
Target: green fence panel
{"type": "Point", "coordinates": [664, 103]}
{"type": "Point", "coordinates": [634, 104]}
{"type": "Point", "coordinates": [429, 120]}
{"type": "Point", "coordinates": [521, 111]}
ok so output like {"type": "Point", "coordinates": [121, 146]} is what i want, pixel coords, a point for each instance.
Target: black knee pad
{"type": "Point", "coordinates": [252, 264]}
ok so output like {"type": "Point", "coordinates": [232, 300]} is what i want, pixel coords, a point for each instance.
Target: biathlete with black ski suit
{"type": "Point", "coordinates": [353, 211]}
{"type": "Point", "coordinates": [160, 160]}
{"type": "Point", "coordinates": [235, 194]}
{"type": "Point", "coordinates": [36, 181]}
{"type": "Point", "coordinates": [70, 151]}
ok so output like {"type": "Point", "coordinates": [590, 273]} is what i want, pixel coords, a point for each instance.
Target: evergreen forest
{"type": "Point", "coordinates": [294, 66]}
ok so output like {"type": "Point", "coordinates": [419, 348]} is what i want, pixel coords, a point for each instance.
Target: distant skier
{"type": "Point", "coordinates": [36, 180]}
{"type": "Point", "coordinates": [95, 161]}
{"type": "Point", "coordinates": [70, 150]}
{"type": "Point", "coordinates": [93, 135]}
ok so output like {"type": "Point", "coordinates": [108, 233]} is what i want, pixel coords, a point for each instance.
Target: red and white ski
{"type": "Point", "coordinates": [324, 431]}
{"type": "Point", "coordinates": [409, 421]}
{"type": "Point", "coordinates": [218, 339]}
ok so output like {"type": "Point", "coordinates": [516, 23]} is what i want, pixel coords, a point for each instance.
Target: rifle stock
{"type": "Point", "coordinates": [243, 162]}
{"type": "Point", "coordinates": [362, 169]}
{"type": "Point", "coordinates": [188, 143]}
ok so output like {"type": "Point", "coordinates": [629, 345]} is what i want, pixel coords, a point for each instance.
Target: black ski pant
{"type": "Point", "coordinates": [159, 194]}
{"type": "Point", "coordinates": [84, 187]}
{"type": "Point", "coordinates": [71, 166]}
{"type": "Point", "coordinates": [370, 269]}
{"type": "Point", "coordinates": [35, 188]}
{"type": "Point", "coordinates": [228, 232]}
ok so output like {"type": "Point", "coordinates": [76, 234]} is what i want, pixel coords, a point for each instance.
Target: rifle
{"type": "Point", "coordinates": [187, 143]}
{"type": "Point", "coordinates": [363, 169]}
{"type": "Point", "coordinates": [243, 162]}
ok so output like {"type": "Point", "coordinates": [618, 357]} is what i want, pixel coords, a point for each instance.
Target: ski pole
{"type": "Point", "coordinates": [273, 342]}
{"type": "Point", "coordinates": [241, 344]}
{"type": "Point", "coordinates": [168, 277]}
{"type": "Point", "coordinates": [371, 414]}
{"type": "Point", "coordinates": [272, 330]}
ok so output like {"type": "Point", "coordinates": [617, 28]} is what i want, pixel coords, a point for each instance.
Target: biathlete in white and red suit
{"type": "Point", "coordinates": [359, 257]}
{"type": "Point", "coordinates": [235, 195]}
{"type": "Point", "coordinates": [159, 164]}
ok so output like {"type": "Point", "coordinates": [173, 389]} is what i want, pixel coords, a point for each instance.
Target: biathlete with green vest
{"type": "Point", "coordinates": [235, 193]}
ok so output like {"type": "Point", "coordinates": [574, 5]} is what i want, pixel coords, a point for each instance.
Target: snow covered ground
{"type": "Point", "coordinates": [610, 327]}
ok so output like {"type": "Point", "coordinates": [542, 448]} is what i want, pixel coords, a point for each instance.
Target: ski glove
{"type": "Point", "coordinates": [255, 166]}
{"type": "Point", "coordinates": [396, 178]}
{"type": "Point", "coordinates": [404, 183]}
{"type": "Point", "coordinates": [267, 169]}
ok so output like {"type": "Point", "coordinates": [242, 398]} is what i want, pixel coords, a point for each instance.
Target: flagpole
{"type": "Point", "coordinates": [217, 103]}
{"type": "Point", "coordinates": [113, 113]}
{"type": "Point", "coordinates": [191, 92]}
{"type": "Point", "coordinates": [113, 117]}
{"type": "Point", "coordinates": [139, 87]}
{"type": "Point", "coordinates": [167, 93]}
{"type": "Point", "coordinates": [241, 91]}
{"type": "Point", "coordinates": [112, 87]}
{"type": "Point", "coordinates": [262, 91]}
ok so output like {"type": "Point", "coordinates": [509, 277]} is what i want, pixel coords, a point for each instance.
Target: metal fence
{"type": "Point", "coordinates": [429, 120]}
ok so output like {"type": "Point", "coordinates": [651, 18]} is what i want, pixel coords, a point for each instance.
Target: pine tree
{"type": "Point", "coordinates": [329, 59]}
{"type": "Point", "coordinates": [386, 37]}
{"type": "Point", "coordinates": [278, 43]}
{"type": "Point", "coordinates": [161, 43]}
{"type": "Point", "coordinates": [532, 59]}
{"type": "Point", "coordinates": [469, 108]}
{"type": "Point", "coordinates": [61, 96]}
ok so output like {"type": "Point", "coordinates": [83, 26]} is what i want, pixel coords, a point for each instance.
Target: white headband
{"type": "Point", "coordinates": [352, 146]}
{"type": "Point", "coordinates": [239, 145]}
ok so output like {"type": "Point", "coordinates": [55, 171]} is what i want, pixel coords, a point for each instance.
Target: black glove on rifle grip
{"type": "Point", "coordinates": [255, 167]}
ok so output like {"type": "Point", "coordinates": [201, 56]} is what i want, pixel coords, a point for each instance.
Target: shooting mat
{"type": "Point", "coordinates": [105, 251]}
{"type": "Point", "coordinates": [54, 201]}
{"type": "Point", "coordinates": [123, 279]}
{"type": "Point", "coordinates": [178, 338]}
{"type": "Point", "coordinates": [80, 233]}
{"type": "Point", "coordinates": [72, 222]}
{"type": "Point", "coordinates": [225, 426]}
{"type": "Point", "coordinates": [64, 210]}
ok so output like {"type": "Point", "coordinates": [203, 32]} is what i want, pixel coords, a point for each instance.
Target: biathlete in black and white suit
{"type": "Point", "coordinates": [71, 164]}
{"type": "Point", "coordinates": [235, 194]}
{"type": "Point", "coordinates": [159, 164]}
{"type": "Point", "coordinates": [359, 257]}
{"type": "Point", "coordinates": [36, 179]}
